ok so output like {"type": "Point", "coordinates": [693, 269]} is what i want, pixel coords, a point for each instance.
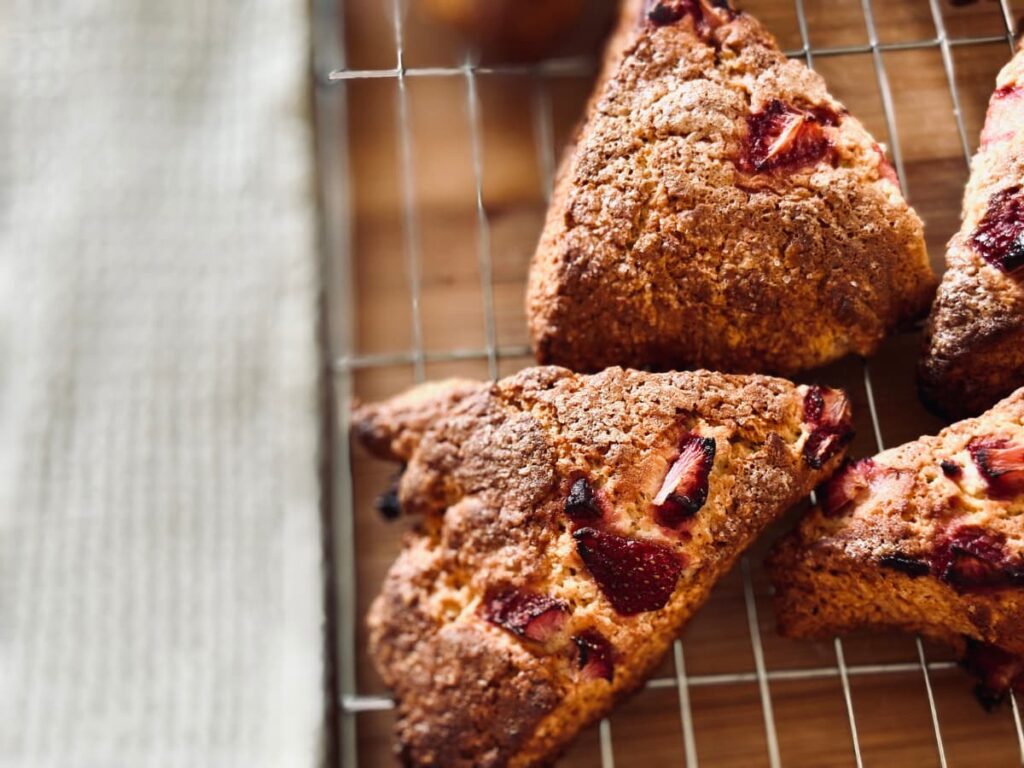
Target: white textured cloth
{"type": "Point", "coordinates": [160, 560]}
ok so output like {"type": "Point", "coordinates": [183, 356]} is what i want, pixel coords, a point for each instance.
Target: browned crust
{"type": "Point", "coordinates": [658, 252]}
{"type": "Point", "coordinates": [392, 430]}
{"type": "Point", "coordinates": [490, 476]}
{"type": "Point", "coordinates": [827, 575]}
{"type": "Point", "coordinates": [974, 346]}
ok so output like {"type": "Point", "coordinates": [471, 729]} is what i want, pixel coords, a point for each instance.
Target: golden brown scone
{"type": "Point", "coordinates": [927, 537]}
{"type": "Point", "coordinates": [568, 527]}
{"type": "Point", "coordinates": [520, 28]}
{"type": "Point", "coordinates": [974, 350]}
{"type": "Point", "coordinates": [720, 209]}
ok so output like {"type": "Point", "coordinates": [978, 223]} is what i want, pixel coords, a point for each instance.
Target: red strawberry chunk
{"type": "Point", "coordinates": [685, 488]}
{"type": "Point", "coordinates": [582, 505]}
{"type": "Point", "coordinates": [999, 236]}
{"type": "Point", "coordinates": [970, 558]}
{"type": "Point", "coordinates": [856, 480]}
{"type": "Point", "coordinates": [1002, 110]}
{"type": "Point", "coordinates": [594, 655]}
{"type": "Point", "coordinates": [670, 11]}
{"type": "Point", "coordinates": [706, 14]}
{"type": "Point", "coordinates": [847, 486]}
{"type": "Point", "coordinates": [634, 575]}
{"type": "Point", "coordinates": [525, 613]}
{"type": "Point", "coordinates": [822, 445]}
{"type": "Point", "coordinates": [827, 411]}
{"type": "Point", "coordinates": [998, 672]}
{"type": "Point", "coordinates": [784, 138]}
{"type": "Point", "coordinates": [826, 406]}
{"type": "Point", "coordinates": [1001, 463]}
{"type": "Point", "coordinates": [546, 625]}
{"type": "Point", "coordinates": [885, 169]}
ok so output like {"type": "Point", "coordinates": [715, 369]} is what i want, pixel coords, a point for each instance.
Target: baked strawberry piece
{"type": "Point", "coordinates": [720, 209]}
{"type": "Point", "coordinates": [685, 487]}
{"type": "Point", "coordinates": [927, 537]}
{"type": "Point", "coordinates": [567, 528]}
{"type": "Point", "coordinates": [974, 351]}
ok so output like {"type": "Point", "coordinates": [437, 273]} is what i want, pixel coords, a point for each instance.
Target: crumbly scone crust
{"type": "Point", "coordinates": [392, 429]}
{"type": "Point", "coordinates": [490, 480]}
{"type": "Point", "coordinates": [827, 574]}
{"type": "Point", "coordinates": [659, 252]}
{"type": "Point", "coordinates": [974, 348]}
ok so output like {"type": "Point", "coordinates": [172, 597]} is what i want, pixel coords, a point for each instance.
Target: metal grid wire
{"type": "Point", "coordinates": [344, 366]}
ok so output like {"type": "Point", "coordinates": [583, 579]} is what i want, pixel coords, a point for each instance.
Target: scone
{"type": "Point", "coordinates": [927, 537]}
{"type": "Point", "coordinates": [974, 352]}
{"type": "Point", "coordinates": [519, 28]}
{"type": "Point", "coordinates": [720, 209]}
{"type": "Point", "coordinates": [568, 527]}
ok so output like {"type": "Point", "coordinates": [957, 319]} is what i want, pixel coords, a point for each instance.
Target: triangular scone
{"type": "Point", "coordinates": [927, 537]}
{"type": "Point", "coordinates": [569, 527]}
{"type": "Point", "coordinates": [974, 352]}
{"type": "Point", "coordinates": [720, 209]}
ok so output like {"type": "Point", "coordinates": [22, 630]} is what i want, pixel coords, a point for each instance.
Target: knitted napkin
{"type": "Point", "coordinates": [160, 560]}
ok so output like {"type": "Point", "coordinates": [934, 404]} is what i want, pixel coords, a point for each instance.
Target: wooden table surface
{"type": "Point", "coordinates": [522, 121]}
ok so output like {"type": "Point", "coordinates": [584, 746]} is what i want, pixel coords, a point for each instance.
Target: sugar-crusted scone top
{"type": "Point", "coordinates": [951, 505]}
{"type": "Point", "coordinates": [570, 525]}
{"type": "Point", "coordinates": [974, 353]}
{"type": "Point", "coordinates": [720, 209]}
{"type": "Point", "coordinates": [927, 537]}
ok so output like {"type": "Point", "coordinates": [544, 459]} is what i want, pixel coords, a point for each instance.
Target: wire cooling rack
{"type": "Point", "coordinates": [858, 701]}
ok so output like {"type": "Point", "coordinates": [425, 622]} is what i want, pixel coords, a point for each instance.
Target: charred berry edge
{"type": "Point", "coordinates": [387, 503]}
{"type": "Point", "coordinates": [828, 436]}
{"type": "Point", "coordinates": [822, 445]}
{"type": "Point", "coordinates": [998, 672]}
{"type": "Point", "coordinates": [911, 566]}
{"type": "Point", "coordinates": [966, 558]}
{"type": "Point", "coordinates": [1001, 463]}
{"type": "Point", "coordinates": [951, 468]}
{"type": "Point", "coordinates": [971, 559]}
{"type": "Point", "coordinates": [661, 13]}
{"type": "Point", "coordinates": [999, 236]}
{"type": "Point", "coordinates": [581, 505]}
{"type": "Point", "coordinates": [518, 610]}
{"type": "Point", "coordinates": [594, 654]}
